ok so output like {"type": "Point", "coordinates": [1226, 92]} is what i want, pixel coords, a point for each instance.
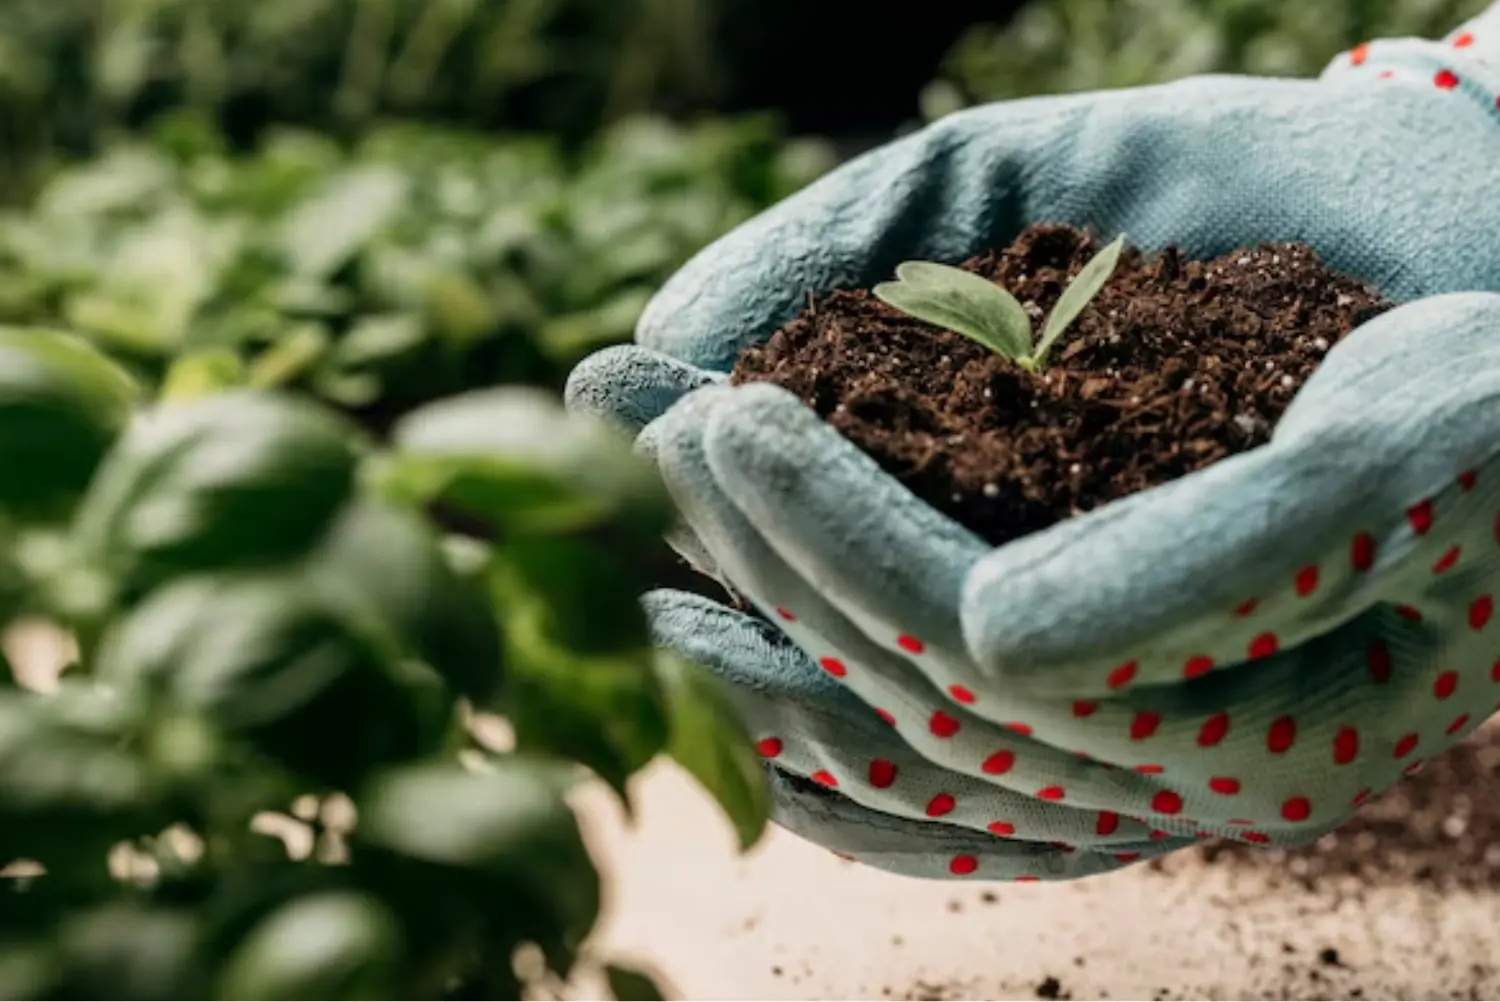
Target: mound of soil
{"type": "Point", "coordinates": [1174, 365]}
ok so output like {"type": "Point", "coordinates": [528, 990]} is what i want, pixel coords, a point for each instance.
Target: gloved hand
{"type": "Point", "coordinates": [1250, 651]}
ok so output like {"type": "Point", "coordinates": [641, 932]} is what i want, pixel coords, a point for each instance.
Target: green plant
{"type": "Point", "coordinates": [416, 264]}
{"type": "Point", "coordinates": [1055, 46]}
{"type": "Point", "coordinates": [75, 72]}
{"type": "Point", "coordinates": [279, 765]}
{"type": "Point", "coordinates": [980, 310]}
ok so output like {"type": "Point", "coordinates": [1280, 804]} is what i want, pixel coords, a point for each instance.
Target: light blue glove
{"type": "Point", "coordinates": [1250, 651]}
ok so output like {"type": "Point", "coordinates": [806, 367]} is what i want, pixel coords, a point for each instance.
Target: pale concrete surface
{"type": "Point", "coordinates": [791, 921]}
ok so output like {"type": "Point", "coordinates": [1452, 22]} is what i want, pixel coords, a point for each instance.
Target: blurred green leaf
{"type": "Point", "coordinates": [325, 232]}
{"type": "Point", "coordinates": [632, 986]}
{"type": "Point", "coordinates": [127, 951]}
{"type": "Point", "coordinates": [514, 457]}
{"type": "Point", "coordinates": [202, 374]}
{"type": "Point", "coordinates": [61, 406]}
{"type": "Point", "coordinates": [63, 769]}
{"type": "Point", "coordinates": [709, 740]}
{"type": "Point", "coordinates": [266, 658]}
{"type": "Point", "coordinates": [336, 945]}
{"type": "Point", "coordinates": [581, 681]}
{"type": "Point", "coordinates": [388, 561]}
{"type": "Point", "coordinates": [238, 478]}
{"type": "Point", "coordinates": [507, 832]}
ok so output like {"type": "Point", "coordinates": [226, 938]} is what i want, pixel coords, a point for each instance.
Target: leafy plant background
{"type": "Point", "coordinates": [1059, 46]}
{"type": "Point", "coordinates": [287, 288]}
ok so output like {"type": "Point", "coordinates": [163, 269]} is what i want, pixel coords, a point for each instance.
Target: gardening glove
{"type": "Point", "coordinates": [1248, 652]}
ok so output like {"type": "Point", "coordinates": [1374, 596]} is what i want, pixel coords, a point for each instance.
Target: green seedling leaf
{"type": "Point", "coordinates": [709, 740]}
{"type": "Point", "coordinates": [1079, 293]}
{"type": "Point", "coordinates": [962, 302]}
{"type": "Point", "coordinates": [269, 660]}
{"type": "Point", "coordinates": [515, 458]}
{"type": "Point", "coordinates": [331, 945]}
{"type": "Point", "coordinates": [235, 479]}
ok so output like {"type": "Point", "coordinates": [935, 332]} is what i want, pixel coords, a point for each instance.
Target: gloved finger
{"type": "Point", "coordinates": [1388, 184]}
{"type": "Point", "coordinates": [631, 386]}
{"type": "Point", "coordinates": [885, 560]}
{"type": "Point", "coordinates": [990, 741]}
{"type": "Point", "coordinates": [1187, 747]}
{"type": "Point", "coordinates": [933, 850]}
{"type": "Point", "coordinates": [863, 791]}
{"type": "Point", "coordinates": [1262, 551]}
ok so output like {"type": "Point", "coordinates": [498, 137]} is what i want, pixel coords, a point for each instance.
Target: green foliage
{"type": "Point", "coordinates": [421, 263]}
{"type": "Point", "coordinates": [1055, 46]}
{"type": "Point", "coordinates": [980, 310]}
{"type": "Point", "coordinates": [271, 626]}
{"type": "Point", "coordinates": [73, 70]}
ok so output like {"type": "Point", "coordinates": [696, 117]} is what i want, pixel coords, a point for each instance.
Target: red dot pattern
{"type": "Point", "coordinates": [1420, 517]}
{"type": "Point", "coordinates": [1345, 745]}
{"type": "Point", "coordinates": [942, 725]}
{"type": "Point", "coordinates": [1121, 675]}
{"type": "Point", "coordinates": [1264, 645]}
{"type": "Point", "coordinates": [999, 763]}
{"type": "Point", "coordinates": [1480, 612]}
{"type": "Point", "coordinates": [1447, 561]}
{"type": "Point", "coordinates": [1445, 79]}
{"type": "Point", "coordinates": [1214, 730]}
{"type": "Point", "coordinates": [1144, 725]}
{"type": "Point", "coordinates": [940, 805]}
{"type": "Point", "coordinates": [1281, 735]}
{"type": "Point", "coordinates": [1445, 684]}
{"type": "Point", "coordinates": [1198, 664]}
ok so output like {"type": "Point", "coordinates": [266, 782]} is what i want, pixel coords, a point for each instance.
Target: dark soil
{"type": "Point", "coordinates": [1175, 365]}
{"type": "Point", "coordinates": [1440, 828]}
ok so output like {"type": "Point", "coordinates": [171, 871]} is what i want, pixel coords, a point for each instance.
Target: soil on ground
{"type": "Point", "coordinates": [1175, 365]}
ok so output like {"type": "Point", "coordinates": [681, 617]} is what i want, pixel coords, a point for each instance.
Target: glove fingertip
{"type": "Point", "coordinates": [746, 652]}
{"type": "Point", "coordinates": [631, 386]}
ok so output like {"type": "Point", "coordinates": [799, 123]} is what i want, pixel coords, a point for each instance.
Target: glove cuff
{"type": "Point", "coordinates": [1466, 61]}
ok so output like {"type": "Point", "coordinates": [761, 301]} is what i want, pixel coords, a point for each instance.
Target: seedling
{"type": "Point", "coordinates": [980, 310]}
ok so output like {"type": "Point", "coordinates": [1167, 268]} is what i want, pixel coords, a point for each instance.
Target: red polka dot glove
{"type": "Point", "coordinates": [1250, 651]}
